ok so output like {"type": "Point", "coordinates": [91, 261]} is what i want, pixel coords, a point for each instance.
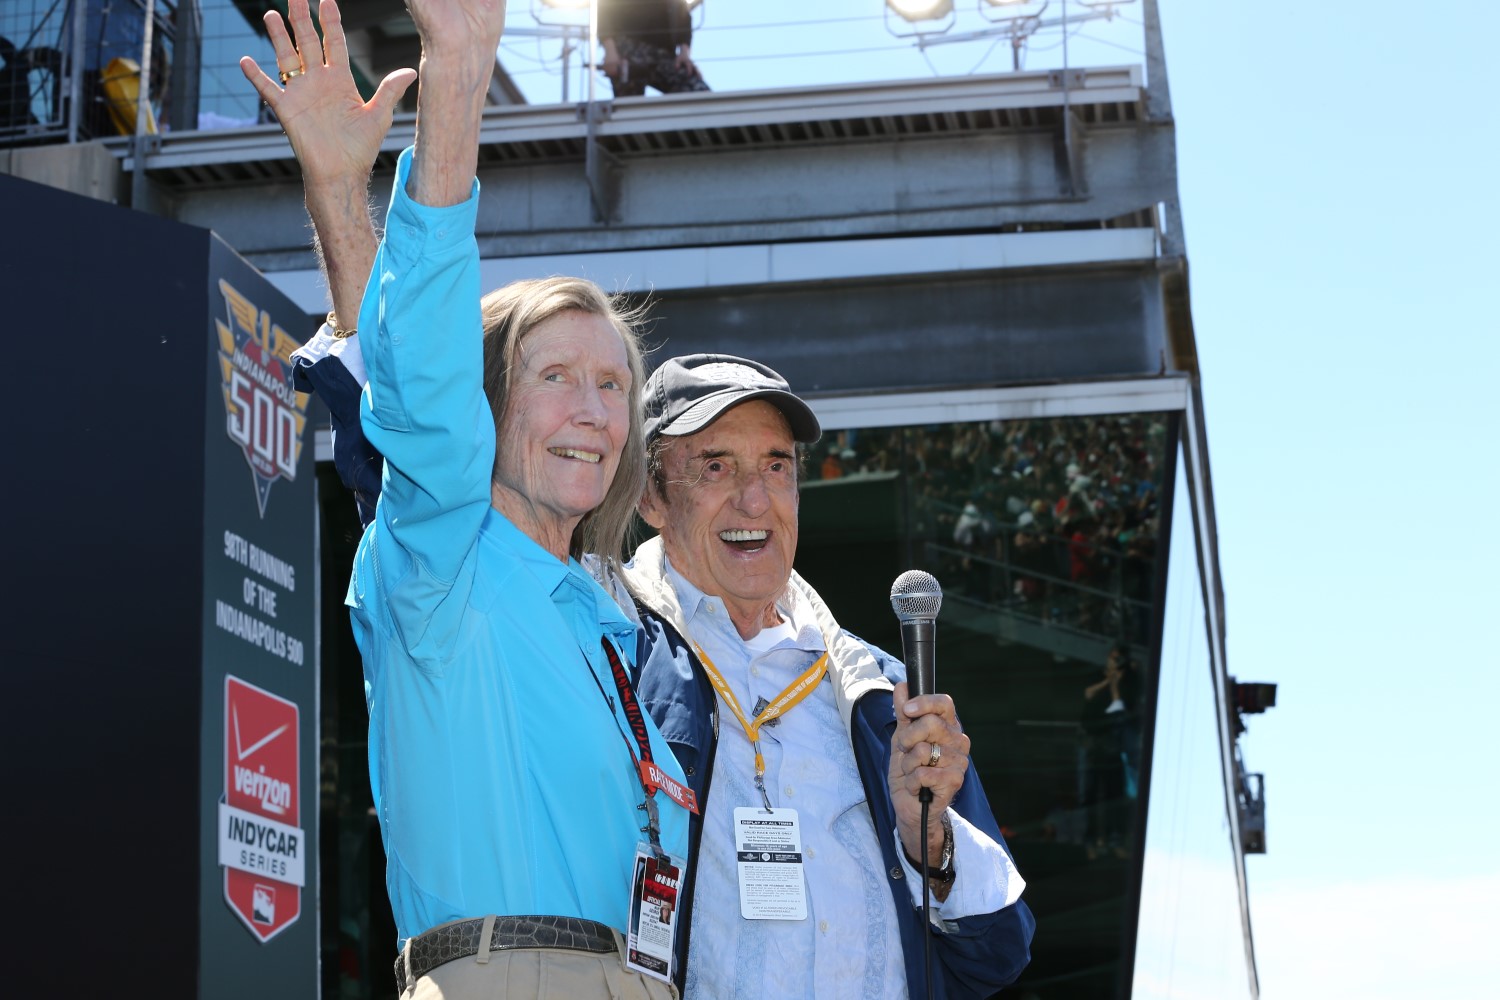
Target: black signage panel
{"type": "Point", "coordinates": [259, 931]}
{"type": "Point", "coordinates": [159, 633]}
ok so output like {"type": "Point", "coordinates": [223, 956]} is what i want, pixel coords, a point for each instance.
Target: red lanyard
{"type": "Point", "coordinates": [651, 776]}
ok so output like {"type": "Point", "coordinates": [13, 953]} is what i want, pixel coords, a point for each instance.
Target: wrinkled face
{"type": "Point", "coordinates": [729, 517]}
{"type": "Point", "coordinates": [566, 421]}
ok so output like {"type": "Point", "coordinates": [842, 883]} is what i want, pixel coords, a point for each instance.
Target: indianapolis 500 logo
{"type": "Point", "coordinates": [265, 415]}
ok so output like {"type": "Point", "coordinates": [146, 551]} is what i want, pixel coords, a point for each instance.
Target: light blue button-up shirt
{"type": "Point", "coordinates": [498, 748]}
{"type": "Point", "coordinates": [849, 946]}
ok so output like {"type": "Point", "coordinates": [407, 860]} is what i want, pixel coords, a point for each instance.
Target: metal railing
{"type": "Point", "coordinates": [54, 94]}
{"type": "Point", "coordinates": [70, 67]}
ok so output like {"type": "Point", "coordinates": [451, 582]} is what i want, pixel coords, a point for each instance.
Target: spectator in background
{"type": "Point", "coordinates": [1030, 557]}
{"type": "Point", "coordinates": [1110, 724]}
{"type": "Point", "coordinates": [15, 86]}
{"type": "Point", "coordinates": [1137, 574]}
{"type": "Point", "coordinates": [18, 69]}
{"type": "Point", "coordinates": [648, 43]}
{"type": "Point", "coordinates": [1128, 720]}
{"type": "Point", "coordinates": [833, 463]}
{"type": "Point", "coordinates": [974, 534]}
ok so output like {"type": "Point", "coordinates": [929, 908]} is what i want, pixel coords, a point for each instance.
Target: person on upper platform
{"type": "Point", "coordinates": [648, 43]}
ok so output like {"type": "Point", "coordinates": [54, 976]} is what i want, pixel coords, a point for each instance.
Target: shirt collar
{"type": "Point", "coordinates": [563, 582]}
{"type": "Point", "coordinates": [791, 606]}
{"type": "Point", "coordinates": [689, 598]}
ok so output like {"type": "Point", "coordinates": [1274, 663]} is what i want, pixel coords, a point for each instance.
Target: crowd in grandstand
{"type": "Point", "coordinates": [1057, 517]}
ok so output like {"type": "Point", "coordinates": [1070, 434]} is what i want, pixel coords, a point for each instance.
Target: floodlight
{"type": "Point", "coordinates": [920, 10]}
{"type": "Point", "coordinates": [1019, 17]}
{"type": "Point", "coordinates": [1012, 10]}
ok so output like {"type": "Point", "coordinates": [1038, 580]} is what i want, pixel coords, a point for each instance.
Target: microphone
{"type": "Point", "coordinates": [916, 598]}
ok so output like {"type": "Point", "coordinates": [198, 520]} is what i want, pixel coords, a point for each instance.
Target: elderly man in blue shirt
{"type": "Point", "coordinates": [805, 754]}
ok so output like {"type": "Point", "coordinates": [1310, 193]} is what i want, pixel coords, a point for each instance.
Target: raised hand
{"type": "Point", "coordinates": [459, 39]}
{"type": "Point", "coordinates": [334, 132]}
{"type": "Point", "coordinates": [336, 136]}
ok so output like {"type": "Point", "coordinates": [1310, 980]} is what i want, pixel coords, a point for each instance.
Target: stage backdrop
{"type": "Point", "coordinates": [162, 626]}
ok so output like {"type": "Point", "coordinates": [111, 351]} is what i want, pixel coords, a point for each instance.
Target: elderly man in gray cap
{"type": "Point", "coordinates": [795, 733]}
{"type": "Point", "coordinates": [802, 878]}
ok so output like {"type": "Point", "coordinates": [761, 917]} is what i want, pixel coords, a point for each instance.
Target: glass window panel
{"type": "Point", "coordinates": [225, 97]}
{"type": "Point", "coordinates": [1043, 533]}
{"type": "Point", "coordinates": [1191, 940]}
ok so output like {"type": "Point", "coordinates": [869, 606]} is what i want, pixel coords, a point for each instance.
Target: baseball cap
{"type": "Point", "coordinates": [688, 393]}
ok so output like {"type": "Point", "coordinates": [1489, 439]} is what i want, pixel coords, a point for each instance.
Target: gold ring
{"type": "Point", "coordinates": [290, 74]}
{"type": "Point", "coordinates": [935, 756]}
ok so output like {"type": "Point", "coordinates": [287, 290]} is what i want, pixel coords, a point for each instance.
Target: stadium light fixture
{"type": "Point", "coordinates": [1012, 10]}
{"type": "Point", "coordinates": [1017, 20]}
{"type": "Point", "coordinates": [914, 11]}
{"type": "Point", "coordinates": [926, 17]}
{"type": "Point", "coordinates": [567, 13]}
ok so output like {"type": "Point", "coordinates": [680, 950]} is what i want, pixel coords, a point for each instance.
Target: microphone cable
{"type": "Point", "coordinates": [916, 599]}
{"type": "Point", "coordinates": [925, 797]}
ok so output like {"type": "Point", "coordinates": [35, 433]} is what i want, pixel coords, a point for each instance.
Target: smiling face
{"type": "Point", "coordinates": [567, 417]}
{"type": "Point", "coordinates": [728, 517]}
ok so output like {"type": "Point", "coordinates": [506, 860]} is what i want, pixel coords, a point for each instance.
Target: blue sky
{"type": "Point", "coordinates": [1337, 166]}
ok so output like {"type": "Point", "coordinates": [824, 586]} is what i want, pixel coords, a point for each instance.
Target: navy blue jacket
{"type": "Point", "coordinates": [976, 956]}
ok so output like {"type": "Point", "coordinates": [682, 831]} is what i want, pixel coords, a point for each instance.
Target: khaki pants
{"type": "Point", "coordinates": [513, 974]}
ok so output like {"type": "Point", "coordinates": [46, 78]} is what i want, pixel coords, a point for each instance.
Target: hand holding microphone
{"type": "Point", "coordinates": [930, 752]}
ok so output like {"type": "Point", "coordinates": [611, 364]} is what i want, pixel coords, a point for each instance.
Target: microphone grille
{"type": "Point", "coordinates": [916, 596]}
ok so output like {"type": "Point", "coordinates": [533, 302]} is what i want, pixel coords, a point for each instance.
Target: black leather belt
{"type": "Point", "coordinates": [461, 938]}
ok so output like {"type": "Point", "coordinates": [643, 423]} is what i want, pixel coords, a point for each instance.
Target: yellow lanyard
{"type": "Point", "coordinates": [783, 703]}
